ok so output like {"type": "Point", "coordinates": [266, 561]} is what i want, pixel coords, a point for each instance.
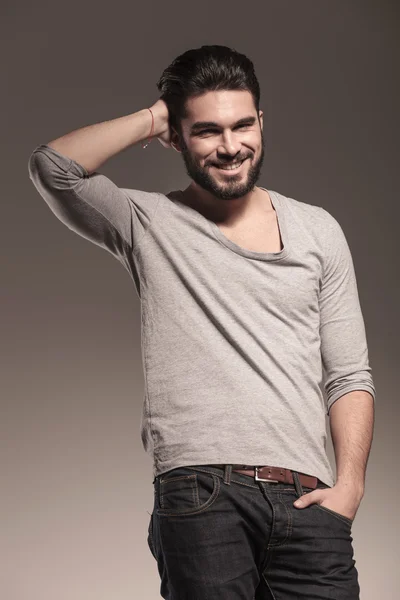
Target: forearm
{"type": "Point", "coordinates": [351, 424]}
{"type": "Point", "coordinates": [93, 145]}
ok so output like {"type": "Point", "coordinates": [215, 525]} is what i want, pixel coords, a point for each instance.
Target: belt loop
{"type": "Point", "coordinates": [297, 484]}
{"type": "Point", "coordinates": [227, 474]}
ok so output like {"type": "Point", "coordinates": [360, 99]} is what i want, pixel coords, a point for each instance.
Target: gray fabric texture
{"type": "Point", "coordinates": [244, 353]}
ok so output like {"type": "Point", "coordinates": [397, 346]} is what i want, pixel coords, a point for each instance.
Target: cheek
{"type": "Point", "coordinates": [204, 149]}
{"type": "Point", "coordinates": [194, 156]}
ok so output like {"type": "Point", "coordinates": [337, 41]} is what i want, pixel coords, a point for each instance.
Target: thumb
{"type": "Point", "coordinates": [307, 499]}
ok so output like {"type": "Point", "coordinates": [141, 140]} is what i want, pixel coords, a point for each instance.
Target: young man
{"type": "Point", "coordinates": [245, 295]}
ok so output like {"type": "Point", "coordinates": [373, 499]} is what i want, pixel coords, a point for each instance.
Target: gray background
{"type": "Point", "coordinates": [76, 485]}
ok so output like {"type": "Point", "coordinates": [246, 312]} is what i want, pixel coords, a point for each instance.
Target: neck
{"type": "Point", "coordinates": [226, 211]}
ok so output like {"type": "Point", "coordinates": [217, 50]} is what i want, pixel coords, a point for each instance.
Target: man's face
{"type": "Point", "coordinates": [234, 136]}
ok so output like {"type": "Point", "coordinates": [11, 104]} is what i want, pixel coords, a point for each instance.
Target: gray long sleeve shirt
{"type": "Point", "coordinates": [237, 345]}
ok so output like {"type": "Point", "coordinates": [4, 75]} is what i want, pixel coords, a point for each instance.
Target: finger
{"type": "Point", "coordinates": [307, 499]}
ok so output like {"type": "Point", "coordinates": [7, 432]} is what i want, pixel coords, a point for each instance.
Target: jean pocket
{"type": "Point", "coordinates": [187, 494]}
{"type": "Point", "coordinates": [335, 514]}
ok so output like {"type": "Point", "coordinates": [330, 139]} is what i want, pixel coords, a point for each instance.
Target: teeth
{"type": "Point", "coordinates": [231, 167]}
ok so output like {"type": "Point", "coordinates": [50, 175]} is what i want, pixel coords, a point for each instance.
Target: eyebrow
{"type": "Point", "coordinates": [203, 124]}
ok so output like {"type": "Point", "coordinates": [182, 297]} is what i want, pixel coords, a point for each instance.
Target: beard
{"type": "Point", "coordinates": [235, 186]}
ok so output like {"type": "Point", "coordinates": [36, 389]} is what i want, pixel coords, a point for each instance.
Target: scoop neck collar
{"type": "Point", "coordinates": [278, 206]}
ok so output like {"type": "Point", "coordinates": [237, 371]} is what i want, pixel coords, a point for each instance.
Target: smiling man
{"type": "Point", "coordinates": [226, 155]}
{"type": "Point", "coordinates": [249, 303]}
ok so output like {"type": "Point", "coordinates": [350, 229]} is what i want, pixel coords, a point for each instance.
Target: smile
{"type": "Point", "coordinates": [234, 167]}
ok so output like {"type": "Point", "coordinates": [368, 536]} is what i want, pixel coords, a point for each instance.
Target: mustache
{"type": "Point", "coordinates": [231, 162]}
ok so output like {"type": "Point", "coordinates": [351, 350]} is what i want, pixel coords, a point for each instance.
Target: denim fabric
{"type": "Point", "coordinates": [221, 535]}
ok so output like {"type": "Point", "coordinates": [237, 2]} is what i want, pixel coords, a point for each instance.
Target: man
{"type": "Point", "coordinates": [245, 295]}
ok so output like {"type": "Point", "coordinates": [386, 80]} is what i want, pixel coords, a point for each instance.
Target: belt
{"type": "Point", "coordinates": [274, 475]}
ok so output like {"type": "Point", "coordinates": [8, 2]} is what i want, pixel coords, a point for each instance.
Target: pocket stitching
{"type": "Point", "coordinates": [168, 479]}
{"type": "Point", "coordinates": [179, 477]}
{"type": "Point", "coordinates": [335, 514]}
{"type": "Point", "coordinates": [167, 511]}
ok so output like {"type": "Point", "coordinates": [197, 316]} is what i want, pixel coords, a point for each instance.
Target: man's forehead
{"type": "Point", "coordinates": [222, 106]}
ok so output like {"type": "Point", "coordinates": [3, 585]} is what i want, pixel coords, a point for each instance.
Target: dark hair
{"type": "Point", "coordinates": [204, 69]}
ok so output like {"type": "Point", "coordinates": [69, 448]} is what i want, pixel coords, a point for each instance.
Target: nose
{"type": "Point", "coordinates": [229, 145]}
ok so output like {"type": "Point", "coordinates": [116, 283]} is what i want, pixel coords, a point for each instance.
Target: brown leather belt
{"type": "Point", "coordinates": [274, 475]}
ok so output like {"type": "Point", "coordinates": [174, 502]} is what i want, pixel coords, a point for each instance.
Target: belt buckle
{"type": "Point", "coordinates": [257, 478]}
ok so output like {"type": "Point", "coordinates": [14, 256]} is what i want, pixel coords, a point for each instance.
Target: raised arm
{"type": "Point", "coordinates": [93, 145]}
{"type": "Point", "coordinates": [89, 203]}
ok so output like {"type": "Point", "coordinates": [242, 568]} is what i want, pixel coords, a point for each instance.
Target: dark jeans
{"type": "Point", "coordinates": [218, 535]}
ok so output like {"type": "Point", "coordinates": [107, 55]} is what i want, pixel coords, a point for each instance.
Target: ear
{"type": "Point", "coordinates": [175, 140]}
{"type": "Point", "coordinates": [261, 114]}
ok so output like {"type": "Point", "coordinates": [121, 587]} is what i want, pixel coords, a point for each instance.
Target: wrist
{"type": "Point", "coordinates": [351, 486]}
{"type": "Point", "coordinates": [161, 118]}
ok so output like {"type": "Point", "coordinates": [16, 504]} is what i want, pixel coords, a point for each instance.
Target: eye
{"type": "Point", "coordinates": [215, 131]}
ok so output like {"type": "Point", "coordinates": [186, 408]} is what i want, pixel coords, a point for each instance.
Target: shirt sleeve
{"type": "Point", "coordinates": [92, 206]}
{"type": "Point", "coordinates": [344, 348]}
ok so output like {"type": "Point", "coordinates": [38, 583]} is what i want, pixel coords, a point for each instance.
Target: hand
{"type": "Point", "coordinates": [341, 499]}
